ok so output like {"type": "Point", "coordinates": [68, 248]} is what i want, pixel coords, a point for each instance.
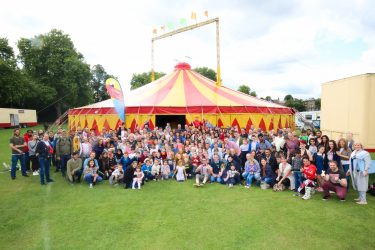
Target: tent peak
{"type": "Point", "coordinates": [182, 66]}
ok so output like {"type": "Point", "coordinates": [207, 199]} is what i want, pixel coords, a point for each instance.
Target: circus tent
{"type": "Point", "coordinates": [181, 97]}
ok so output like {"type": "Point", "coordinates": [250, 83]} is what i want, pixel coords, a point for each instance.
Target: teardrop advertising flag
{"type": "Point", "coordinates": [115, 92]}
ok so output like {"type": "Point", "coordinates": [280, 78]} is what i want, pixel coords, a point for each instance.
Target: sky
{"type": "Point", "coordinates": [275, 47]}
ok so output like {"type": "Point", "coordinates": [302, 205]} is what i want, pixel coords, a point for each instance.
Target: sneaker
{"type": "Point", "coordinates": [50, 180]}
{"type": "Point", "coordinates": [342, 199]}
{"type": "Point", "coordinates": [331, 192]}
{"type": "Point", "coordinates": [25, 175]}
{"type": "Point", "coordinates": [247, 186]}
{"type": "Point", "coordinates": [90, 185]}
{"type": "Point", "coordinates": [36, 173]}
{"type": "Point", "coordinates": [325, 198]}
{"type": "Point", "coordinates": [133, 187]}
{"type": "Point", "coordinates": [139, 188]}
{"type": "Point", "coordinates": [230, 185]}
{"type": "Point", "coordinates": [297, 194]}
{"type": "Point", "coordinates": [362, 202]}
{"type": "Point", "coordinates": [357, 199]}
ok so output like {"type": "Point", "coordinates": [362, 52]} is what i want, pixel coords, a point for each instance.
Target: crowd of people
{"type": "Point", "coordinates": [278, 159]}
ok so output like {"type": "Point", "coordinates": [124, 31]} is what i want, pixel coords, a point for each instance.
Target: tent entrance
{"type": "Point", "coordinates": [162, 120]}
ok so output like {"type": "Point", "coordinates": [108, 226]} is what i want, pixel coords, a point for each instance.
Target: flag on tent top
{"type": "Point", "coordinates": [115, 92]}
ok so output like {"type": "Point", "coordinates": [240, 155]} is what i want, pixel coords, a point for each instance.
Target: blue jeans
{"type": "Point", "coordinates": [346, 168]}
{"type": "Point", "coordinates": [89, 178]}
{"type": "Point", "coordinates": [215, 179]}
{"type": "Point", "coordinates": [249, 177]}
{"type": "Point", "coordinates": [14, 160]}
{"type": "Point", "coordinates": [44, 166]}
{"type": "Point", "coordinates": [63, 160]}
{"type": "Point", "coordinates": [297, 180]}
{"type": "Point", "coordinates": [269, 181]}
{"type": "Point", "coordinates": [27, 161]}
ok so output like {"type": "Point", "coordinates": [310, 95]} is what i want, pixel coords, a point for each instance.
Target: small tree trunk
{"type": "Point", "coordinates": [58, 109]}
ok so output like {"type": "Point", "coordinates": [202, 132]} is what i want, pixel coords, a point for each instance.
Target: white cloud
{"type": "Point", "coordinates": [269, 45]}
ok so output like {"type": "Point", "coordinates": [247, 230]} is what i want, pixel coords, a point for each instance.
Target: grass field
{"type": "Point", "coordinates": [170, 215]}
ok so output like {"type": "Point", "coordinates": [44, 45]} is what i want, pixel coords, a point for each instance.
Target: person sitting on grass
{"type": "Point", "coordinates": [74, 168]}
{"type": "Point", "coordinates": [215, 164]}
{"type": "Point", "coordinates": [202, 173]}
{"type": "Point", "coordinates": [252, 171]}
{"type": "Point", "coordinates": [335, 180]}
{"type": "Point", "coordinates": [165, 171]}
{"type": "Point", "coordinates": [309, 173]}
{"type": "Point", "coordinates": [268, 175]}
{"type": "Point", "coordinates": [285, 177]}
{"type": "Point", "coordinates": [146, 169]}
{"type": "Point", "coordinates": [91, 173]}
{"type": "Point", "coordinates": [180, 172]}
{"type": "Point", "coordinates": [155, 170]}
{"type": "Point", "coordinates": [117, 175]}
{"type": "Point", "coordinates": [137, 178]}
{"type": "Point", "coordinates": [231, 174]}
{"type": "Point", "coordinates": [129, 175]}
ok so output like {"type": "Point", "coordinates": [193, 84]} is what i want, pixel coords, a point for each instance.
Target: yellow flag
{"type": "Point", "coordinates": [194, 15]}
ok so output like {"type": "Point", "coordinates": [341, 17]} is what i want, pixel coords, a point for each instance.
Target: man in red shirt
{"type": "Point", "coordinates": [27, 137]}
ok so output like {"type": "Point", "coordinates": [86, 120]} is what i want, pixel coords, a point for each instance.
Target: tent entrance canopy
{"type": "Point", "coordinates": [173, 120]}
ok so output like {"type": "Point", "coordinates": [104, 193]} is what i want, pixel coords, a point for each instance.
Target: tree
{"type": "Point", "coordinates": [288, 97]}
{"type": "Point", "coordinates": [246, 90]}
{"type": "Point", "coordinates": [295, 103]}
{"type": "Point", "coordinates": [268, 98]}
{"type": "Point", "coordinates": [97, 83]}
{"type": "Point", "coordinates": [60, 72]}
{"type": "Point", "coordinates": [317, 104]}
{"type": "Point", "coordinates": [141, 79]}
{"type": "Point", "coordinates": [207, 72]}
{"type": "Point", "coordinates": [14, 84]}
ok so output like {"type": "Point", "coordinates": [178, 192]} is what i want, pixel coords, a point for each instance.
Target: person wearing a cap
{"type": "Point", "coordinates": [17, 144]}
{"type": "Point", "coordinates": [74, 168]}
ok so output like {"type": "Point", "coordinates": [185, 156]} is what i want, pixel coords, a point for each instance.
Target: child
{"type": "Point", "coordinates": [137, 178]}
{"type": "Point", "coordinates": [117, 175]}
{"type": "Point", "coordinates": [296, 168]}
{"type": "Point", "coordinates": [146, 169]}
{"type": "Point", "coordinates": [155, 170]}
{"type": "Point", "coordinates": [165, 171]}
{"type": "Point", "coordinates": [309, 172]}
{"type": "Point", "coordinates": [252, 171]}
{"type": "Point", "coordinates": [91, 175]}
{"type": "Point", "coordinates": [180, 172]}
{"type": "Point", "coordinates": [231, 174]}
{"type": "Point", "coordinates": [202, 173]}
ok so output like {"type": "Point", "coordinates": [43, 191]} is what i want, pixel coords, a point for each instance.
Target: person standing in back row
{"type": "Point", "coordinates": [17, 144]}
{"type": "Point", "coordinates": [64, 150]}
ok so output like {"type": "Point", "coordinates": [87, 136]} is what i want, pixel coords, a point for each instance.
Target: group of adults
{"type": "Point", "coordinates": [208, 154]}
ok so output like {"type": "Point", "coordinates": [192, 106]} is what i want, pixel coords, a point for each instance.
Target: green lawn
{"type": "Point", "coordinates": [170, 215]}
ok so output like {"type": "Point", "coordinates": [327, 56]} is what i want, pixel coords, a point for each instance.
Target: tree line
{"type": "Point", "coordinates": [48, 75]}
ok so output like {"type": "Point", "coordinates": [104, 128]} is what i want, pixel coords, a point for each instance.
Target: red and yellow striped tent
{"type": "Point", "coordinates": [184, 95]}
